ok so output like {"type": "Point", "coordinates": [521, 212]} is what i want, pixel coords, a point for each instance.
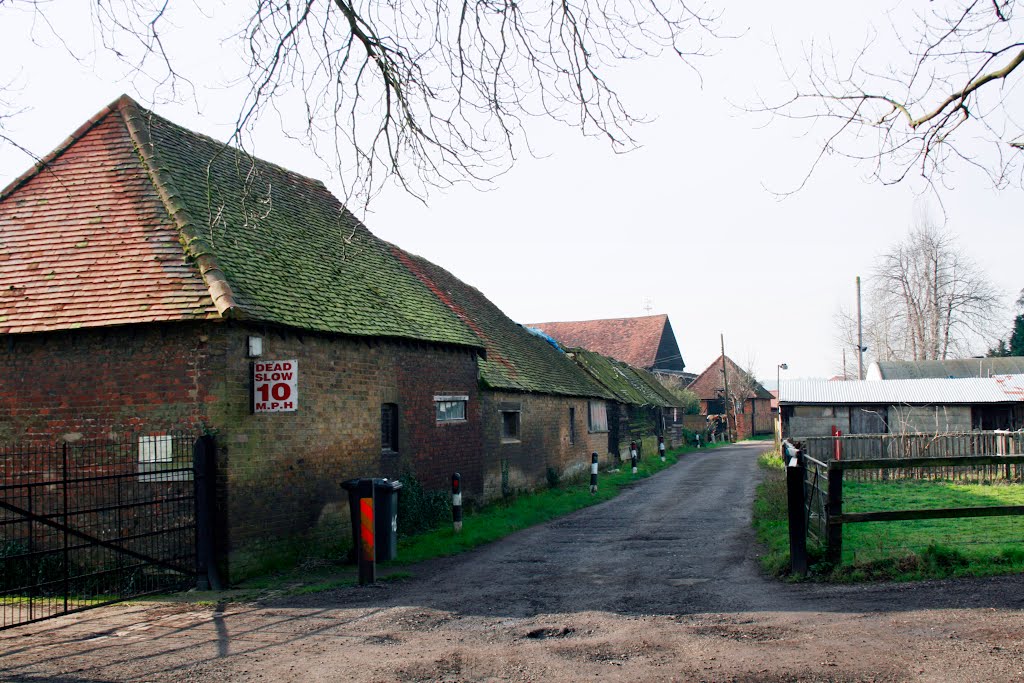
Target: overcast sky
{"type": "Point", "coordinates": [688, 222]}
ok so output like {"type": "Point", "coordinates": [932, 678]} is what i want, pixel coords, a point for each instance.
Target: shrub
{"type": "Point", "coordinates": [421, 510]}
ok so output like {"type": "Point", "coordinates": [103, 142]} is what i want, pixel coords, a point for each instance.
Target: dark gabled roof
{"type": "Point", "coordinates": [959, 368]}
{"type": "Point", "coordinates": [154, 217]}
{"type": "Point", "coordinates": [627, 384]}
{"type": "Point", "coordinates": [710, 384]}
{"type": "Point", "coordinates": [516, 360]}
{"type": "Point", "coordinates": [645, 342]}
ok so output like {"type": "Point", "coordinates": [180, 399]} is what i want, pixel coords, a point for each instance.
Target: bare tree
{"type": "Point", "coordinates": [927, 300]}
{"type": "Point", "coordinates": [949, 98]}
{"type": "Point", "coordinates": [422, 92]}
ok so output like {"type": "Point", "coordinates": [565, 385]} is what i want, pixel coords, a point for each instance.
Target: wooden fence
{"type": "Point", "coordinates": [871, 446]}
{"type": "Point", "coordinates": [814, 494]}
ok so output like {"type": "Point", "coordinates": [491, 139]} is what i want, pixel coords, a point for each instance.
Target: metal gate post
{"type": "Point", "coordinates": [795, 504]}
{"type": "Point", "coordinates": [204, 464]}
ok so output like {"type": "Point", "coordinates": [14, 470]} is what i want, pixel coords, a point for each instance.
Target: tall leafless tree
{"type": "Point", "coordinates": [424, 92]}
{"type": "Point", "coordinates": [950, 96]}
{"type": "Point", "coordinates": [927, 300]}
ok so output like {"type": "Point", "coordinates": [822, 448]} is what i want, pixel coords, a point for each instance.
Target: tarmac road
{"type": "Point", "coordinates": [659, 584]}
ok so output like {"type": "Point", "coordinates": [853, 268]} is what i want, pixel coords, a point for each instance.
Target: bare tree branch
{"type": "Point", "coordinates": [951, 101]}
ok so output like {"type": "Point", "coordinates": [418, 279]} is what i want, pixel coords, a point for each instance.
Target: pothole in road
{"type": "Point", "coordinates": [544, 633]}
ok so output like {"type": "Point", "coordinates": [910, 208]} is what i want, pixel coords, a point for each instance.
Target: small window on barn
{"type": "Point", "coordinates": [597, 417]}
{"type": "Point", "coordinates": [716, 406]}
{"type": "Point", "coordinates": [572, 425]}
{"type": "Point", "coordinates": [164, 458]}
{"type": "Point", "coordinates": [510, 425]}
{"type": "Point", "coordinates": [389, 428]}
{"type": "Point", "coordinates": [450, 408]}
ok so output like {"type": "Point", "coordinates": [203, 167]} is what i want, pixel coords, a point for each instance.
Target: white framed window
{"type": "Point", "coordinates": [450, 408]}
{"type": "Point", "coordinates": [597, 417]}
{"type": "Point", "coordinates": [158, 460]}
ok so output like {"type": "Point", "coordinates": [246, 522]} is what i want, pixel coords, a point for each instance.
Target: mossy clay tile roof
{"type": "Point", "coordinates": [710, 384]}
{"type": "Point", "coordinates": [270, 245]}
{"type": "Point", "coordinates": [516, 360]}
{"type": "Point", "coordinates": [627, 384]}
{"type": "Point", "coordinates": [643, 342]}
{"type": "Point", "coordinates": [85, 241]}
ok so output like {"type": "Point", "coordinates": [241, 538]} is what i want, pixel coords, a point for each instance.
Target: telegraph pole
{"type": "Point", "coordinates": [860, 337]}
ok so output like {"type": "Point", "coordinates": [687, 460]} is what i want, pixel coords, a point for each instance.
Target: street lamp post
{"type": "Point", "coordinates": [778, 400]}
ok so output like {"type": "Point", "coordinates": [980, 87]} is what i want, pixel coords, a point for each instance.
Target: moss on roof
{"type": "Point", "coordinates": [290, 253]}
{"type": "Point", "coordinates": [516, 359]}
{"type": "Point", "coordinates": [626, 383]}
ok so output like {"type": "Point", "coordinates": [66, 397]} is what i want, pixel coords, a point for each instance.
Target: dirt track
{"type": "Point", "coordinates": [659, 584]}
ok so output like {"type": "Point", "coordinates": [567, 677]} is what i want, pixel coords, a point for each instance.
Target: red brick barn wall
{"type": "Point", "coordinates": [544, 441]}
{"type": "Point", "coordinates": [281, 472]}
{"type": "Point", "coordinates": [95, 383]}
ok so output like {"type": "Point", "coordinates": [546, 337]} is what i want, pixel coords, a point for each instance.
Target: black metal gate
{"type": "Point", "coordinates": [85, 524]}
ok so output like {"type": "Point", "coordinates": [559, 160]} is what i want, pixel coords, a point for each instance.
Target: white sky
{"type": "Point", "coordinates": [584, 233]}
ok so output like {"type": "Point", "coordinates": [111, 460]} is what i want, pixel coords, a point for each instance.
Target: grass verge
{"type": "Point", "coordinates": [900, 551]}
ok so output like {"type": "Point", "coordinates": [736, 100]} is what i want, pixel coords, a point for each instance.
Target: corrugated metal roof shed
{"type": "Point", "coordinates": [946, 369]}
{"type": "Point", "coordinates": [1000, 389]}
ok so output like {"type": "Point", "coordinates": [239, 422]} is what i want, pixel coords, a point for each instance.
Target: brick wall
{"type": "Point", "coordinates": [281, 472]}
{"type": "Point", "coordinates": [92, 383]}
{"type": "Point", "coordinates": [544, 441]}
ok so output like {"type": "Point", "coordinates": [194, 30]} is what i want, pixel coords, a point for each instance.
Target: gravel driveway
{"type": "Point", "coordinates": [659, 584]}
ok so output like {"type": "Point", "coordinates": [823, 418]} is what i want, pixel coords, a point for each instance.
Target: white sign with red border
{"type": "Point", "coordinates": [275, 385]}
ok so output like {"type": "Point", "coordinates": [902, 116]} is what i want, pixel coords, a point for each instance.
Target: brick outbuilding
{"type": "Point", "coordinates": [142, 265]}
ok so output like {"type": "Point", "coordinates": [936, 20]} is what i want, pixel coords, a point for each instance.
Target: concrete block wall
{"type": "Point", "coordinates": [929, 419]}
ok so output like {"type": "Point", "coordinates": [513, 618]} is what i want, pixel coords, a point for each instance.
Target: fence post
{"type": "Point", "coordinates": [834, 551]}
{"type": "Point", "coordinates": [204, 465]}
{"type": "Point", "coordinates": [795, 505]}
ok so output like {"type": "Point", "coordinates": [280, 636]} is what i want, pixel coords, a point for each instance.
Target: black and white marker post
{"type": "Point", "coordinates": [457, 502]}
{"type": "Point", "coordinates": [661, 447]}
{"type": "Point", "coordinates": [593, 472]}
{"type": "Point", "coordinates": [633, 454]}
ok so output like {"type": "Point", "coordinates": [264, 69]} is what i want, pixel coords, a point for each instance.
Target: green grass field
{"type": "Point", "coordinates": [905, 550]}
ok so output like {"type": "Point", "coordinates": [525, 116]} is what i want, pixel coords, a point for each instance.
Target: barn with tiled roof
{"type": "Point", "coordinates": [646, 342]}
{"type": "Point", "coordinates": [146, 271]}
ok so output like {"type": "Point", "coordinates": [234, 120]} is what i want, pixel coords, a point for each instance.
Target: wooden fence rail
{"type": "Point", "coordinates": [805, 502]}
{"type": "Point", "coordinates": [872, 446]}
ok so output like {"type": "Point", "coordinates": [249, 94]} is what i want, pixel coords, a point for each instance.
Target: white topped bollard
{"type": "Point", "coordinates": [457, 502]}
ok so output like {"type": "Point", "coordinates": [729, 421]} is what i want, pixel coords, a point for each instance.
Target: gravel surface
{"type": "Point", "coordinates": [659, 584]}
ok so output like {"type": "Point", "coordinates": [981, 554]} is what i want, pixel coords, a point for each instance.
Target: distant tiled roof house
{"type": "Point", "coordinates": [645, 342]}
{"type": "Point", "coordinates": [138, 261]}
{"type": "Point", "coordinates": [754, 413]}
